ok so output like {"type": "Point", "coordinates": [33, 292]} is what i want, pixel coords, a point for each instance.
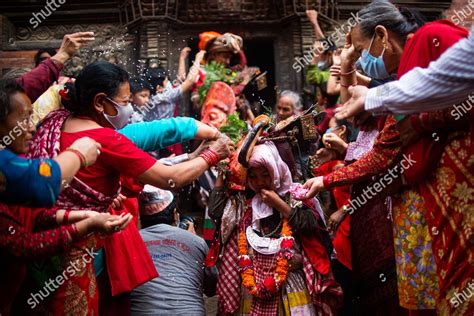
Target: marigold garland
{"type": "Point", "coordinates": [271, 285]}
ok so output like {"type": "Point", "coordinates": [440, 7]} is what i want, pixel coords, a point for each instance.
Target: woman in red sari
{"type": "Point", "coordinates": [95, 105]}
{"type": "Point", "coordinates": [19, 243]}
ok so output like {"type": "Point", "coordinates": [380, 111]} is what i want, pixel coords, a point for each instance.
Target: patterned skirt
{"type": "Point", "coordinates": [416, 269]}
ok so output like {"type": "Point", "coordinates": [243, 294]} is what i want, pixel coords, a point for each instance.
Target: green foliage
{"type": "Point", "coordinates": [235, 128]}
{"type": "Point", "coordinates": [215, 72]}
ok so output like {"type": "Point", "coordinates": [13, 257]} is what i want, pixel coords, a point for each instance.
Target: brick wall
{"type": "Point", "coordinates": [16, 59]}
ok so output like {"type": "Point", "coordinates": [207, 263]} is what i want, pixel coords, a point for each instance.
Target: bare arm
{"type": "Point", "coordinates": [177, 176]}
{"type": "Point", "coordinates": [205, 131]}
{"type": "Point", "coordinates": [334, 87]}
{"type": "Point", "coordinates": [182, 63]}
{"type": "Point", "coordinates": [193, 72]}
{"type": "Point", "coordinates": [173, 177]}
{"type": "Point", "coordinates": [348, 73]}
{"type": "Point", "coordinates": [313, 18]}
{"type": "Point", "coordinates": [70, 162]}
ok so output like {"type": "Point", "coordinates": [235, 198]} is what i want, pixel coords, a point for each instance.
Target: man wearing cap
{"type": "Point", "coordinates": [178, 255]}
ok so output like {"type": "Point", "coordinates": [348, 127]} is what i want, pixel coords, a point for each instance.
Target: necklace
{"type": "Point", "coordinates": [273, 282]}
{"type": "Point", "coordinates": [272, 232]}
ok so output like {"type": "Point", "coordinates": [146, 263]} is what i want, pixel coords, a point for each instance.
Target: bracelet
{"type": "Point", "coordinates": [66, 217]}
{"type": "Point", "coordinates": [81, 157]}
{"type": "Point", "coordinates": [72, 230]}
{"type": "Point", "coordinates": [348, 85]}
{"type": "Point", "coordinates": [348, 73]}
{"type": "Point", "coordinates": [210, 157]}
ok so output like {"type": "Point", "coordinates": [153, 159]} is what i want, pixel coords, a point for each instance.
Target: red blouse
{"type": "Point", "coordinates": [119, 156]}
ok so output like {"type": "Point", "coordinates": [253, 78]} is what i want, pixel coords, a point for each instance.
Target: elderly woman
{"type": "Point", "coordinates": [289, 104]}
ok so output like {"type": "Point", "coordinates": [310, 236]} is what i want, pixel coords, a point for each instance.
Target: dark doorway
{"type": "Point", "coordinates": [260, 53]}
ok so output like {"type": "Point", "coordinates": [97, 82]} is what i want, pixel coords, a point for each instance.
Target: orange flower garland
{"type": "Point", "coordinates": [271, 285]}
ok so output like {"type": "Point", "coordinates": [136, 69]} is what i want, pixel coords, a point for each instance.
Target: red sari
{"type": "Point", "coordinates": [93, 188]}
{"type": "Point", "coordinates": [448, 169]}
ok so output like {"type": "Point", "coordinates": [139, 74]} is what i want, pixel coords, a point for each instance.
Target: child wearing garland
{"type": "Point", "coordinates": [275, 261]}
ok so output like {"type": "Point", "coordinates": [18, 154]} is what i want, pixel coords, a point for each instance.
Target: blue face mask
{"type": "Point", "coordinates": [373, 66]}
{"type": "Point", "coordinates": [328, 131]}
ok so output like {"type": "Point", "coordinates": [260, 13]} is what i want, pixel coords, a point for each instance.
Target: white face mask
{"type": "Point", "coordinates": [124, 113]}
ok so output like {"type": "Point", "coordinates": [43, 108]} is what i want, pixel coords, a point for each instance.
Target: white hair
{"type": "Point", "coordinates": [297, 104]}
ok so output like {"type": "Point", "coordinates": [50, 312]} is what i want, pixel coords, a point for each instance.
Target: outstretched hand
{"type": "Point", "coordinates": [355, 105]}
{"type": "Point", "coordinates": [314, 186]}
{"type": "Point", "coordinates": [71, 44]}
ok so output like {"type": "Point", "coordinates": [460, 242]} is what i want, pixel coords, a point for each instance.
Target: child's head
{"type": "Point", "coordinates": [267, 170]}
{"type": "Point", "coordinates": [259, 178]}
{"type": "Point", "coordinates": [158, 79]}
{"type": "Point", "coordinates": [141, 91]}
{"type": "Point", "coordinates": [342, 128]}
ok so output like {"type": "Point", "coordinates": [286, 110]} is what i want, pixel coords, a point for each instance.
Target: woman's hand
{"type": "Point", "coordinates": [355, 105]}
{"type": "Point", "coordinates": [71, 44]}
{"type": "Point", "coordinates": [336, 57]}
{"type": "Point", "coordinates": [296, 262]}
{"type": "Point", "coordinates": [202, 147]}
{"type": "Point", "coordinates": [332, 141]}
{"type": "Point", "coordinates": [199, 57]}
{"type": "Point", "coordinates": [76, 216]}
{"type": "Point", "coordinates": [336, 219]}
{"type": "Point", "coordinates": [223, 146]}
{"type": "Point", "coordinates": [106, 223]}
{"type": "Point", "coordinates": [322, 156]}
{"type": "Point", "coordinates": [348, 54]}
{"type": "Point", "coordinates": [117, 202]}
{"type": "Point", "coordinates": [272, 199]}
{"type": "Point", "coordinates": [314, 186]}
{"type": "Point", "coordinates": [184, 53]}
{"type": "Point", "coordinates": [89, 148]}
